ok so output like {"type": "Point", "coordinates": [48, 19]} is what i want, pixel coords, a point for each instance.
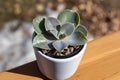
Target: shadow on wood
{"type": "Point", "coordinates": [30, 69]}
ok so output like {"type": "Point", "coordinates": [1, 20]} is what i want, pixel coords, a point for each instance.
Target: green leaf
{"type": "Point", "coordinates": [69, 16]}
{"type": "Point", "coordinates": [40, 41]}
{"type": "Point", "coordinates": [38, 24]}
{"type": "Point", "coordinates": [81, 29]}
{"type": "Point", "coordinates": [59, 45]}
{"type": "Point", "coordinates": [51, 26]}
{"type": "Point", "coordinates": [77, 38]}
{"type": "Point", "coordinates": [67, 28]}
{"type": "Point", "coordinates": [62, 35]}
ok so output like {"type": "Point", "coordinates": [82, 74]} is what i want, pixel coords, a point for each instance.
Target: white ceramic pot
{"type": "Point", "coordinates": [58, 69]}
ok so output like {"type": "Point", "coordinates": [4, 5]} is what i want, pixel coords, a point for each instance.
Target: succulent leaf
{"type": "Point", "coordinates": [51, 26]}
{"type": "Point", "coordinates": [69, 16]}
{"type": "Point", "coordinates": [59, 45]}
{"type": "Point", "coordinates": [81, 29]}
{"type": "Point", "coordinates": [54, 34]}
{"type": "Point", "coordinates": [38, 24]}
{"type": "Point", "coordinates": [77, 38]}
{"type": "Point", "coordinates": [67, 28]}
{"type": "Point", "coordinates": [40, 41]}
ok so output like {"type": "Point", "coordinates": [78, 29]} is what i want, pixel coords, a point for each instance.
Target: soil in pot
{"type": "Point", "coordinates": [66, 53]}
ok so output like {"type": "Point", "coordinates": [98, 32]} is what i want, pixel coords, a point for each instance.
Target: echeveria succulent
{"type": "Point", "coordinates": [59, 33]}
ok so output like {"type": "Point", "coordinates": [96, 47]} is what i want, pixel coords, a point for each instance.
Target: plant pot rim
{"type": "Point", "coordinates": [60, 59]}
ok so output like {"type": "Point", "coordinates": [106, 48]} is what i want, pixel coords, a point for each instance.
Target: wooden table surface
{"type": "Point", "coordinates": [100, 62]}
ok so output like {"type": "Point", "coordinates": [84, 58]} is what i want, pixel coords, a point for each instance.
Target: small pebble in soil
{"type": "Point", "coordinates": [65, 52]}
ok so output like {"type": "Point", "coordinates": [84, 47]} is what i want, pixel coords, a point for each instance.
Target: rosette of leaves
{"type": "Point", "coordinates": [59, 33]}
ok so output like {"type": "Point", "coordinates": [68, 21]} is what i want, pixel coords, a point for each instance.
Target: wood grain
{"type": "Point", "coordinates": [100, 62]}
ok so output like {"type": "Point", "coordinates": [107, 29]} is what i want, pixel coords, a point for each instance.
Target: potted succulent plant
{"type": "Point", "coordinates": [59, 44]}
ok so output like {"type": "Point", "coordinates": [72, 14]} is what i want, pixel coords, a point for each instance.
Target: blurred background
{"type": "Point", "coordinates": [101, 17]}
